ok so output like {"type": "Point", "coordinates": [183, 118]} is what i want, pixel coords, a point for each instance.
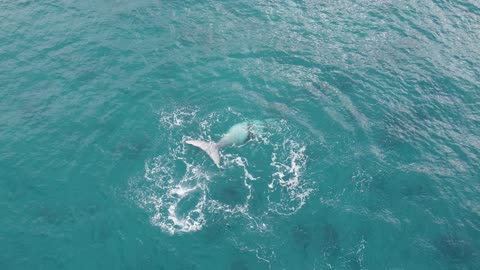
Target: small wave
{"type": "Point", "coordinates": [361, 180]}
{"type": "Point", "coordinates": [356, 255]}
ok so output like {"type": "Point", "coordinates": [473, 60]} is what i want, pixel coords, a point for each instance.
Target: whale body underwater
{"type": "Point", "coordinates": [238, 134]}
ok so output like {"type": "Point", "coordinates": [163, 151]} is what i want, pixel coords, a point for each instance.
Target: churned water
{"type": "Point", "coordinates": [371, 160]}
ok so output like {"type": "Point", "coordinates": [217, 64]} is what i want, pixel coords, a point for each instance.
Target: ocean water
{"type": "Point", "coordinates": [372, 160]}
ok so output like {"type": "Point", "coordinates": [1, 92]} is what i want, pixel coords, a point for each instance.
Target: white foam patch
{"type": "Point", "coordinates": [235, 162]}
{"type": "Point", "coordinates": [173, 190]}
{"type": "Point", "coordinates": [287, 186]}
{"type": "Point", "coordinates": [176, 188]}
{"type": "Point", "coordinates": [175, 202]}
{"type": "Point", "coordinates": [178, 117]}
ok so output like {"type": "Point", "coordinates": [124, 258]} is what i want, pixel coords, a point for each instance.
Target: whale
{"type": "Point", "coordinates": [237, 135]}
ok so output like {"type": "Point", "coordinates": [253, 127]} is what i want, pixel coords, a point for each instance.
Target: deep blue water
{"type": "Point", "coordinates": [371, 161]}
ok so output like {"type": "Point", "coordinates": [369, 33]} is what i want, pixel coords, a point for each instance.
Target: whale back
{"type": "Point", "coordinates": [236, 135]}
{"type": "Point", "coordinates": [242, 133]}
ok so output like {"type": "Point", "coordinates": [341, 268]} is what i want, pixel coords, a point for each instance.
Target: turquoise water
{"type": "Point", "coordinates": [372, 160]}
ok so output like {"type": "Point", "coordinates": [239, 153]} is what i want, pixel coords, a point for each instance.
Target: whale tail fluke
{"type": "Point", "coordinates": [210, 147]}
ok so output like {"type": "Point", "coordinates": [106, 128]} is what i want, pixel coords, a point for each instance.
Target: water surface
{"type": "Point", "coordinates": [372, 163]}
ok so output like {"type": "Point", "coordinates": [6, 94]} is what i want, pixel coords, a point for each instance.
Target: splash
{"type": "Point", "coordinates": [176, 202]}
{"type": "Point", "coordinates": [178, 191]}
